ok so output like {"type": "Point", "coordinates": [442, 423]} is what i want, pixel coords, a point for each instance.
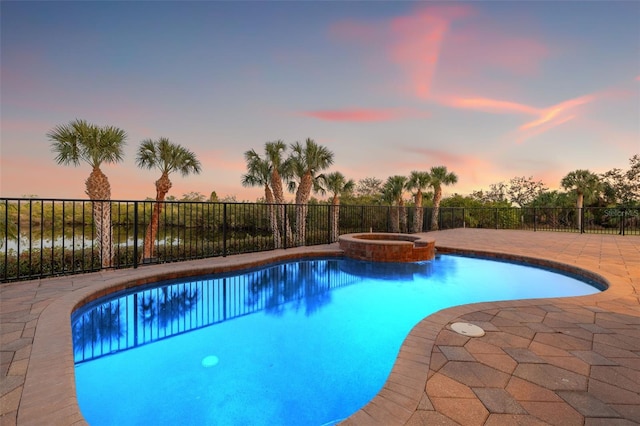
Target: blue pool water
{"type": "Point", "coordinates": [301, 343]}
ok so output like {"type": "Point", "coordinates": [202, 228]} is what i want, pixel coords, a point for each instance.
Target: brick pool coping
{"type": "Point", "coordinates": [435, 371]}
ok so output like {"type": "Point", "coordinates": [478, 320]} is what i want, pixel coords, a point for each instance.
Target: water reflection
{"type": "Point", "coordinates": [96, 330]}
{"type": "Point", "coordinates": [306, 285]}
{"type": "Point", "coordinates": [170, 305]}
{"type": "Point", "coordinates": [388, 270]}
{"type": "Point", "coordinates": [170, 308]}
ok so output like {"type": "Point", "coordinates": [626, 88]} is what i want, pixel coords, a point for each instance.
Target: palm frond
{"type": "Point", "coordinates": [80, 141]}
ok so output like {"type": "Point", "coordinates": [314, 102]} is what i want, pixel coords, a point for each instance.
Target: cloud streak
{"type": "Point", "coordinates": [425, 42]}
{"type": "Point", "coordinates": [489, 105]}
{"type": "Point", "coordinates": [412, 42]}
{"type": "Point", "coordinates": [556, 114]}
{"type": "Point", "coordinates": [417, 42]}
{"type": "Point", "coordinates": [546, 118]}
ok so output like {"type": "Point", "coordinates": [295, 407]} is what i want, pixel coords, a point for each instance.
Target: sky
{"type": "Point", "coordinates": [491, 90]}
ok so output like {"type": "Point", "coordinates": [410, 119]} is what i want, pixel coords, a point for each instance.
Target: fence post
{"type": "Point", "coordinates": [6, 237]}
{"type": "Point", "coordinates": [285, 228]}
{"type": "Point", "coordinates": [535, 219]}
{"type": "Point", "coordinates": [624, 211]}
{"type": "Point", "coordinates": [329, 230]}
{"type": "Point", "coordinates": [464, 218]}
{"type": "Point", "coordinates": [224, 229]}
{"type": "Point", "coordinates": [582, 220]}
{"type": "Point", "coordinates": [496, 217]}
{"type": "Point", "coordinates": [388, 218]}
{"type": "Point", "coordinates": [135, 234]}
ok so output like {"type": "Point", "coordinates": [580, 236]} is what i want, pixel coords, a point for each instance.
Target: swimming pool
{"type": "Point", "coordinates": [306, 342]}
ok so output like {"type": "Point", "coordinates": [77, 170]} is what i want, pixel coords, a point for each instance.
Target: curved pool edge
{"type": "Point", "coordinates": [48, 395]}
{"type": "Point", "coordinates": [404, 390]}
{"type": "Point", "coordinates": [49, 391]}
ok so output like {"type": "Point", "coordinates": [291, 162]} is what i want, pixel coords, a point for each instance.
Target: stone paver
{"type": "Point", "coordinates": [548, 361]}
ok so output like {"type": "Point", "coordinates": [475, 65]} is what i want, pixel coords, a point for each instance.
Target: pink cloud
{"type": "Point", "coordinates": [412, 42]}
{"type": "Point", "coordinates": [546, 118]}
{"type": "Point", "coordinates": [364, 115]}
{"type": "Point", "coordinates": [552, 117]}
{"type": "Point", "coordinates": [554, 114]}
{"type": "Point", "coordinates": [489, 105]}
{"type": "Point", "coordinates": [445, 43]}
{"type": "Point", "coordinates": [417, 41]}
{"type": "Point", "coordinates": [525, 134]}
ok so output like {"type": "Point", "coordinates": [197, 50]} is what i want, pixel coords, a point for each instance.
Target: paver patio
{"type": "Point", "coordinates": [565, 361]}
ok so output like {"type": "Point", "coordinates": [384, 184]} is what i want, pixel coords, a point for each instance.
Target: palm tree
{"type": "Point", "coordinates": [418, 181]}
{"type": "Point", "coordinates": [439, 176]}
{"type": "Point", "coordinates": [279, 170]}
{"type": "Point", "coordinates": [259, 174]}
{"type": "Point", "coordinates": [392, 191]}
{"type": "Point", "coordinates": [585, 184]}
{"type": "Point", "coordinates": [337, 184]}
{"type": "Point", "coordinates": [167, 157]}
{"type": "Point", "coordinates": [79, 142]}
{"type": "Point", "coordinates": [305, 164]}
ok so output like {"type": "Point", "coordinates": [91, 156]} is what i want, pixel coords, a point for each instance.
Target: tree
{"type": "Point", "coordinates": [193, 196]}
{"type": "Point", "coordinates": [279, 171]}
{"type": "Point", "coordinates": [368, 187]}
{"type": "Point", "coordinates": [259, 174]}
{"type": "Point", "coordinates": [552, 199]}
{"type": "Point", "coordinates": [495, 194]}
{"type": "Point", "coordinates": [337, 184]}
{"type": "Point", "coordinates": [368, 191]}
{"type": "Point", "coordinates": [305, 164]}
{"type": "Point", "coordinates": [585, 184]}
{"type": "Point", "coordinates": [393, 191]}
{"type": "Point", "coordinates": [78, 142]}
{"type": "Point", "coordinates": [418, 181]}
{"type": "Point", "coordinates": [522, 191]}
{"type": "Point", "coordinates": [439, 176]}
{"type": "Point", "coordinates": [623, 187]}
{"type": "Point", "coordinates": [167, 157]}
{"type": "Point", "coordinates": [633, 177]}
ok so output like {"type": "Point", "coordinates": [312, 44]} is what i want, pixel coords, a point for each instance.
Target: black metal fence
{"type": "Point", "coordinates": [48, 237]}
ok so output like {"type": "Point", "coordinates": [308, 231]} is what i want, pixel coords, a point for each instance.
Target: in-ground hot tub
{"type": "Point", "coordinates": [388, 247]}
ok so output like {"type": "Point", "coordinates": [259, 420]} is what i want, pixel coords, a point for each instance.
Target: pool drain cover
{"type": "Point", "coordinates": [467, 329]}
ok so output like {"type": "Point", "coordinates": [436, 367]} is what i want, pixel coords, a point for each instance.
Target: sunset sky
{"type": "Point", "coordinates": [491, 90]}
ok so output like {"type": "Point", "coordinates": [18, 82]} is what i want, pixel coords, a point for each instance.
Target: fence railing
{"type": "Point", "coordinates": [48, 237]}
